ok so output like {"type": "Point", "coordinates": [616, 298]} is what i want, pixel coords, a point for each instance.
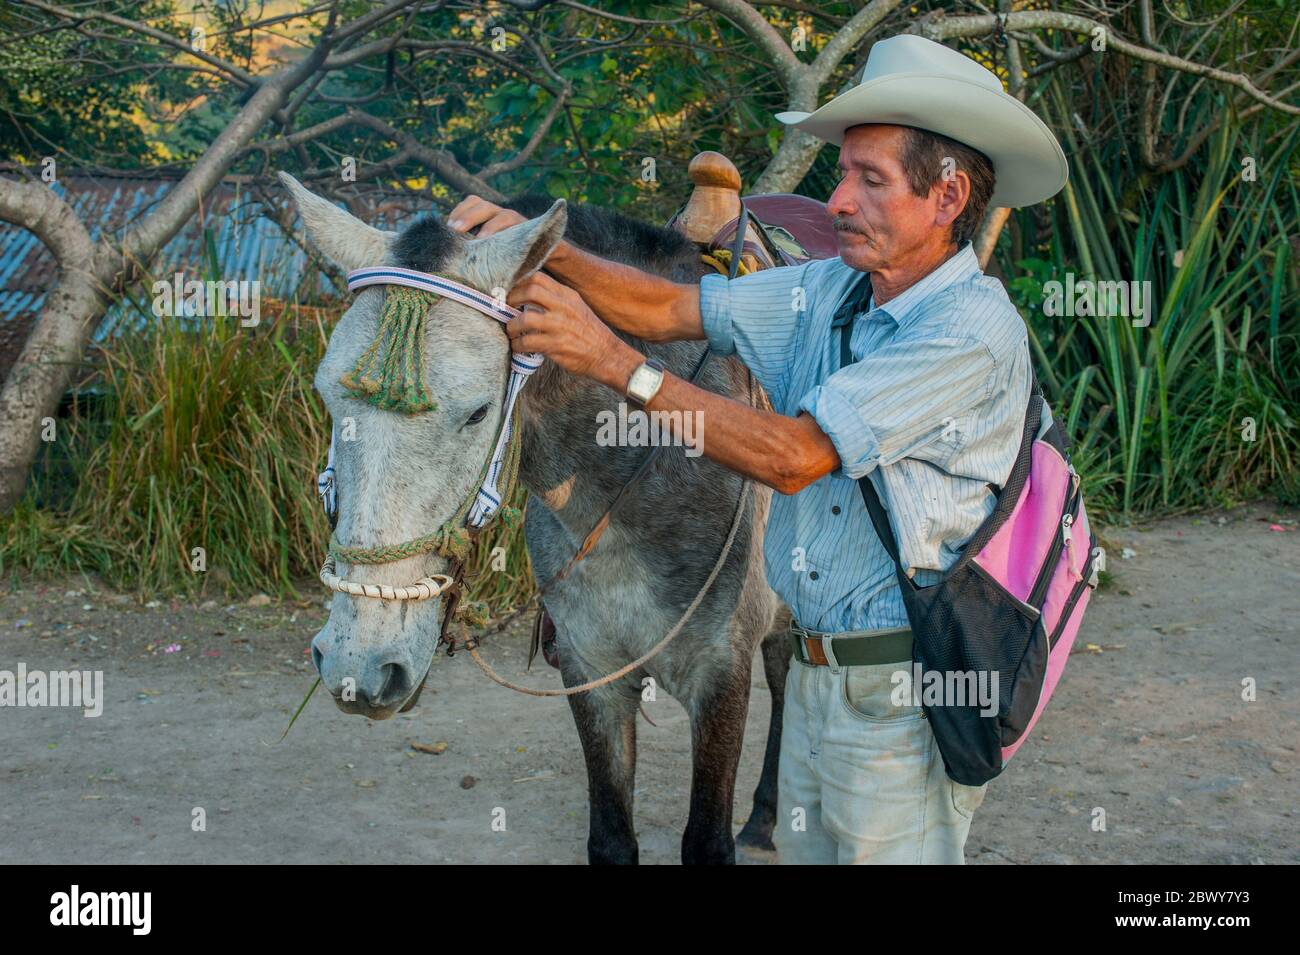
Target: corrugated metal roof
{"type": "Point", "coordinates": [247, 246]}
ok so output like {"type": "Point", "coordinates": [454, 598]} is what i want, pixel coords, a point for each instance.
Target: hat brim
{"type": "Point", "coordinates": [1027, 159]}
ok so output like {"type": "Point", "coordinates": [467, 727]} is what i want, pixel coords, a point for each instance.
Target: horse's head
{"type": "Point", "coordinates": [401, 475]}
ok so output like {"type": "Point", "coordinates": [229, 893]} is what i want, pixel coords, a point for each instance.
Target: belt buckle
{"type": "Point", "coordinates": [827, 652]}
{"type": "Point", "coordinates": [806, 637]}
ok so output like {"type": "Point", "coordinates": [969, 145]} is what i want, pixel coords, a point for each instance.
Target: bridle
{"type": "Point", "coordinates": [455, 537]}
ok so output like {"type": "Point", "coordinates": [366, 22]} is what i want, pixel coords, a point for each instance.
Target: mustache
{"type": "Point", "coordinates": [842, 224]}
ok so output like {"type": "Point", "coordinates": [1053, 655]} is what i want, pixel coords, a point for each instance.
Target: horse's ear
{"type": "Point", "coordinates": [528, 244]}
{"type": "Point", "coordinates": [340, 236]}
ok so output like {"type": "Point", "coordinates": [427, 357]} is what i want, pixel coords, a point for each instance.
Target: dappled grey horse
{"type": "Point", "coordinates": [406, 474]}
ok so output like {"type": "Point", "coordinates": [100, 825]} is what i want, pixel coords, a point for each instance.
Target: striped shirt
{"type": "Point", "coordinates": [932, 409]}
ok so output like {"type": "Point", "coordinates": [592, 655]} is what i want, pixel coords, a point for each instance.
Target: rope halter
{"type": "Point", "coordinates": [390, 375]}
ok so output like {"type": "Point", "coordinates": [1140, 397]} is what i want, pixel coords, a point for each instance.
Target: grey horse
{"type": "Point", "coordinates": [404, 475]}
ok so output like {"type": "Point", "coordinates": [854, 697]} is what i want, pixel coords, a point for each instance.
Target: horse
{"type": "Point", "coordinates": [406, 473]}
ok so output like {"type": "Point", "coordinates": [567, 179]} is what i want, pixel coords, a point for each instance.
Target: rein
{"type": "Point", "coordinates": [395, 382]}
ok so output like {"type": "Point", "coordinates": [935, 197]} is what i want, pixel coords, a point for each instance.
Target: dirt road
{"type": "Point", "coordinates": [1149, 725]}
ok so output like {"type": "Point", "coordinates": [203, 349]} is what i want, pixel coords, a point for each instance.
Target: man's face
{"type": "Point", "coordinates": [879, 221]}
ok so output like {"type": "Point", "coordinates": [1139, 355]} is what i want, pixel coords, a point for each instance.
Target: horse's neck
{"type": "Point", "coordinates": [561, 462]}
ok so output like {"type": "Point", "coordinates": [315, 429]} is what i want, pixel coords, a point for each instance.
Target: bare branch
{"type": "Point", "coordinates": [765, 36]}
{"type": "Point", "coordinates": [35, 207]}
{"type": "Point", "coordinates": [948, 28]}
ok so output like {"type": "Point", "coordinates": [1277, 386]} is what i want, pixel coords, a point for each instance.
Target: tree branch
{"type": "Point", "coordinates": [948, 28]}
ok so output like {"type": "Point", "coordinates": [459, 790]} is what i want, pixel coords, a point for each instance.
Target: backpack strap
{"type": "Point", "coordinates": [843, 325]}
{"type": "Point", "coordinates": [854, 301]}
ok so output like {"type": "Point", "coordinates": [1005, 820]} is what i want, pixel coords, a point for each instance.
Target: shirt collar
{"type": "Point", "coordinates": [960, 268]}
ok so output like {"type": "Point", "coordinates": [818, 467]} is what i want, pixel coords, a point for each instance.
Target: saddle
{"type": "Point", "coordinates": [791, 230]}
{"type": "Point", "coordinates": [781, 229]}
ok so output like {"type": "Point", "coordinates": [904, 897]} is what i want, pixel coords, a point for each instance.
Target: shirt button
{"type": "Point", "coordinates": [812, 575]}
{"type": "Point", "coordinates": [835, 508]}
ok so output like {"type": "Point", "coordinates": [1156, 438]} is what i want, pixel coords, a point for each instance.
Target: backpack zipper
{"type": "Point", "coordinates": [1059, 541]}
{"type": "Point", "coordinates": [1087, 580]}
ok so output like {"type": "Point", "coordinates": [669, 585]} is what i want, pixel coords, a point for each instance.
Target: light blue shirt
{"type": "Point", "coordinates": [933, 410]}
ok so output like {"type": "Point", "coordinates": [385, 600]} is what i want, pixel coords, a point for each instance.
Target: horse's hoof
{"type": "Point", "coordinates": [756, 837]}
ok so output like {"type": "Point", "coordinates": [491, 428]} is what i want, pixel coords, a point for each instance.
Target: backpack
{"type": "Point", "coordinates": [1012, 603]}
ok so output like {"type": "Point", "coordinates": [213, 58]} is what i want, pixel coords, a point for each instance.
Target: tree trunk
{"type": "Point", "coordinates": [57, 341]}
{"type": "Point", "coordinates": [92, 276]}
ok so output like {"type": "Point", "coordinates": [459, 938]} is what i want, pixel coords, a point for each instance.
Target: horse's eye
{"type": "Point", "coordinates": [479, 415]}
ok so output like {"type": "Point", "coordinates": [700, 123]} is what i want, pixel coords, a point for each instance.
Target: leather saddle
{"type": "Point", "coordinates": [791, 230]}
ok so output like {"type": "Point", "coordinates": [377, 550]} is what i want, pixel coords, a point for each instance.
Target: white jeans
{"type": "Point", "coordinates": [862, 780]}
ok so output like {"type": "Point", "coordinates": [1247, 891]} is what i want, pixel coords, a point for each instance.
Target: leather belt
{"type": "Point", "coordinates": [851, 648]}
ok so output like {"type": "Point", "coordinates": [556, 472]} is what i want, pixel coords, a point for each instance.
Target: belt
{"type": "Point", "coordinates": [852, 648]}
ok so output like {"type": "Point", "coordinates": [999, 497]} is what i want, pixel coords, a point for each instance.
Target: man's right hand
{"type": "Point", "coordinates": [473, 211]}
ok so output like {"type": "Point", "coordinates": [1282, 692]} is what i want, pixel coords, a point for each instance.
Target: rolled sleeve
{"type": "Point", "coordinates": [852, 436]}
{"type": "Point", "coordinates": [715, 314]}
{"type": "Point", "coordinates": [757, 318]}
{"type": "Point", "coordinates": [898, 400]}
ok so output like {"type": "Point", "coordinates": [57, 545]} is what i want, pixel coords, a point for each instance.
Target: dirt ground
{"type": "Point", "coordinates": [1148, 725]}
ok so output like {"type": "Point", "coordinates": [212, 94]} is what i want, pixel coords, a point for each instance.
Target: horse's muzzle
{"type": "Point", "coordinates": [373, 682]}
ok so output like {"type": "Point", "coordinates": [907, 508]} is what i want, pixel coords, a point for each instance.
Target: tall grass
{"type": "Point", "coordinates": [1161, 414]}
{"type": "Point", "coordinates": [202, 434]}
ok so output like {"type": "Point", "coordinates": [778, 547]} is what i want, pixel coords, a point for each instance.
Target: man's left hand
{"type": "Point", "coordinates": [557, 323]}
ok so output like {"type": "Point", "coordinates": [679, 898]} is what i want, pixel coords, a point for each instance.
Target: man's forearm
{"type": "Point", "coordinates": [787, 454]}
{"type": "Point", "coordinates": [646, 306]}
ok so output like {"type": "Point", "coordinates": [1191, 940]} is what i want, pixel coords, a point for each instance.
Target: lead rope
{"type": "Point", "coordinates": [646, 657]}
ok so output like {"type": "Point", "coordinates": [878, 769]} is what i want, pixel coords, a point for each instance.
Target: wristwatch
{"type": "Point", "coordinates": [646, 381]}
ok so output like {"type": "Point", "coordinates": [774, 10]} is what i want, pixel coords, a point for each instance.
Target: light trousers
{"type": "Point", "coordinates": [862, 780]}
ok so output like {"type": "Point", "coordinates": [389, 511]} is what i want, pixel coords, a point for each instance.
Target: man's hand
{"type": "Point", "coordinates": [473, 211]}
{"type": "Point", "coordinates": [557, 323]}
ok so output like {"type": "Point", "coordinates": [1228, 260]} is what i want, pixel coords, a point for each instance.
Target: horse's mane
{"type": "Point", "coordinates": [612, 235]}
{"type": "Point", "coordinates": [425, 244]}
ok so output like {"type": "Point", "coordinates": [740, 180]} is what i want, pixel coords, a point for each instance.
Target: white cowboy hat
{"type": "Point", "coordinates": [912, 81]}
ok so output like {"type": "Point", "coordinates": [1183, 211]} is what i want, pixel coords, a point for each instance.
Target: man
{"type": "Point", "coordinates": [932, 408]}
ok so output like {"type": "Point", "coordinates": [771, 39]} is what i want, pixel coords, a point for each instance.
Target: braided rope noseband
{"type": "Point", "coordinates": [392, 378]}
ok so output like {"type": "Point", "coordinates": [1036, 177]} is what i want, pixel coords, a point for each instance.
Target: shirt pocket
{"type": "Point", "coordinates": [937, 444]}
{"type": "Point", "coordinates": [954, 435]}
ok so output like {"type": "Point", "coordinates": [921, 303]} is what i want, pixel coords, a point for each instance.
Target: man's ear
{"type": "Point", "coordinates": [340, 236]}
{"type": "Point", "coordinates": [953, 192]}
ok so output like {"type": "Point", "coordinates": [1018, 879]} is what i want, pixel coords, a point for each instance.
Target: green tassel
{"type": "Point", "coordinates": [455, 544]}
{"type": "Point", "coordinates": [394, 380]}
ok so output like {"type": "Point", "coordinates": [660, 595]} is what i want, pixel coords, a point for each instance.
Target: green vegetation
{"type": "Point", "coordinates": [211, 437]}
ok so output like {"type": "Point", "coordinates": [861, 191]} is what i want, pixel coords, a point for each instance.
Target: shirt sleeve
{"type": "Point", "coordinates": [756, 317]}
{"type": "Point", "coordinates": [899, 399]}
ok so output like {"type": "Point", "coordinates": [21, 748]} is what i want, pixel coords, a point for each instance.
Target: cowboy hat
{"type": "Point", "coordinates": [912, 81]}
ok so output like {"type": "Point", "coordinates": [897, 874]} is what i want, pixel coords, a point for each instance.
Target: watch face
{"type": "Point", "coordinates": [642, 385]}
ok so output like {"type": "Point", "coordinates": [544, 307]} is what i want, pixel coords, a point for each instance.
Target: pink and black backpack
{"type": "Point", "coordinates": [1012, 602]}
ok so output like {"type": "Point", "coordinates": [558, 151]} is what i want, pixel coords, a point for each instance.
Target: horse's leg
{"type": "Point", "coordinates": [606, 721]}
{"type": "Point", "coordinates": [757, 833]}
{"type": "Point", "coordinates": [717, 732]}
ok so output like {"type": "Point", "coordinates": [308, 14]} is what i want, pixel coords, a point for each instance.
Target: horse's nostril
{"type": "Point", "coordinates": [395, 684]}
{"type": "Point", "coordinates": [317, 658]}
